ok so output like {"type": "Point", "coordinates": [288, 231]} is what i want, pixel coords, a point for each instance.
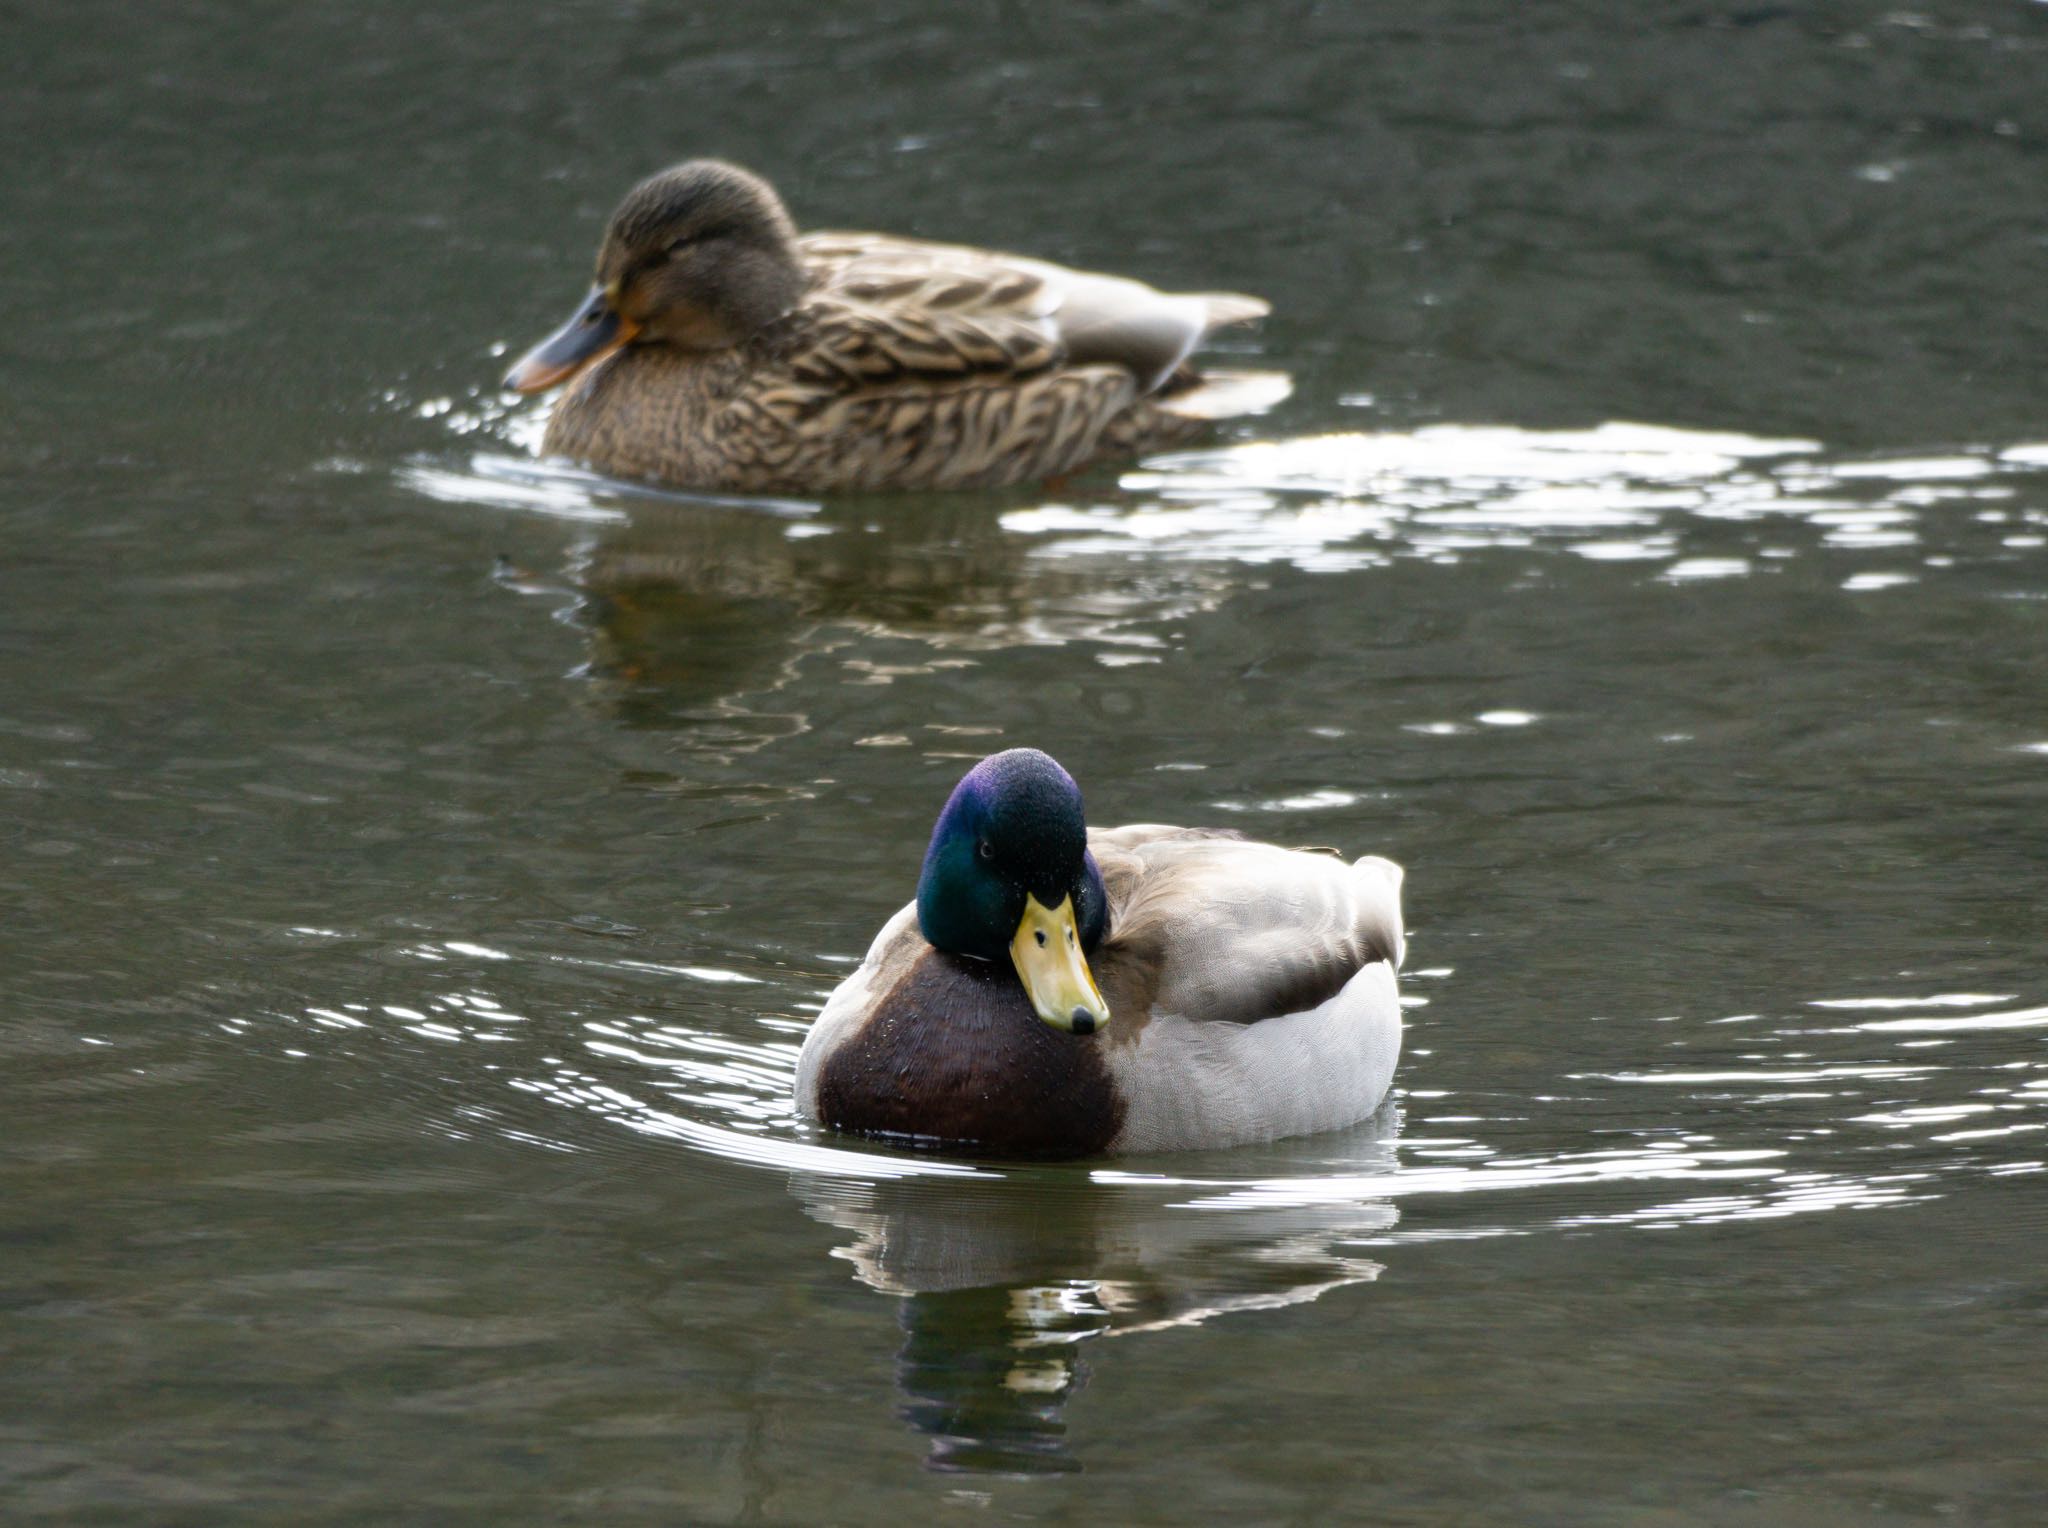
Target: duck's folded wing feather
{"type": "Point", "coordinates": [1090, 317]}
{"type": "Point", "coordinates": [853, 346]}
{"type": "Point", "coordinates": [916, 273]}
{"type": "Point", "coordinates": [887, 399]}
{"type": "Point", "coordinates": [1216, 928]}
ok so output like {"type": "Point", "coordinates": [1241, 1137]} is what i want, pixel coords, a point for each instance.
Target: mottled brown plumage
{"type": "Point", "coordinates": [721, 351]}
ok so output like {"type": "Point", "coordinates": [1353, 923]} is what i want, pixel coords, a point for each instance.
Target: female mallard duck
{"type": "Point", "coordinates": [1057, 990]}
{"type": "Point", "coordinates": [720, 350]}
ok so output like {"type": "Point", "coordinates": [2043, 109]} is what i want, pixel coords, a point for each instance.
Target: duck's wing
{"type": "Point", "coordinates": [1087, 316]}
{"type": "Point", "coordinates": [849, 344]}
{"type": "Point", "coordinates": [877, 399]}
{"type": "Point", "coordinates": [1213, 927]}
{"type": "Point", "coordinates": [882, 383]}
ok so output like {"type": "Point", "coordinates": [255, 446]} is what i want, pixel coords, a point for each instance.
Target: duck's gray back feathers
{"type": "Point", "coordinates": [1240, 931]}
{"type": "Point", "coordinates": [1251, 988]}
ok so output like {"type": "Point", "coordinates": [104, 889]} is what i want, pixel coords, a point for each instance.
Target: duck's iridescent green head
{"type": "Point", "coordinates": [1008, 876]}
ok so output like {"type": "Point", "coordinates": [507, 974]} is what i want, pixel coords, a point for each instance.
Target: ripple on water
{"type": "Point", "coordinates": [1005, 1273]}
{"type": "Point", "coordinates": [1671, 500]}
{"type": "Point", "coordinates": [719, 1082]}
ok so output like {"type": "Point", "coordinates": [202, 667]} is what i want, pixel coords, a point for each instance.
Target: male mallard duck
{"type": "Point", "coordinates": [720, 350]}
{"type": "Point", "coordinates": [1057, 990]}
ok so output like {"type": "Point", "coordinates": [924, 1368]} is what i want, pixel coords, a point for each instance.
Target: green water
{"type": "Point", "coordinates": [418, 863]}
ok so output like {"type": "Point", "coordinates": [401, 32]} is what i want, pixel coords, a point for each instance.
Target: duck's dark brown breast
{"type": "Point", "coordinates": [954, 1056]}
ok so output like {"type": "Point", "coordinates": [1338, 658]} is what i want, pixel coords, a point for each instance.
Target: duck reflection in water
{"type": "Point", "coordinates": [700, 613]}
{"type": "Point", "coordinates": [1004, 1281]}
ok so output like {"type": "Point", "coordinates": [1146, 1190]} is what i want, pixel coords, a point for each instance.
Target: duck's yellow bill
{"type": "Point", "coordinates": [1047, 951]}
{"type": "Point", "coordinates": [594, 331]}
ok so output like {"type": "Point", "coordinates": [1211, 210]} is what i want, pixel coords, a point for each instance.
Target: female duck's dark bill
{"type": "Point", "coordinates": [1047, 953]}
{"type": "Point", "coordinates": [595, 330]}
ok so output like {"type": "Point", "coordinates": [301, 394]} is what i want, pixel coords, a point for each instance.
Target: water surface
{"type": "Point", "coordinates": [419, 863]}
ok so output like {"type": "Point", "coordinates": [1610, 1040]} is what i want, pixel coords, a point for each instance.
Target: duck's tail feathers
{"type": "Point", "coordinates": [1380, 883]}
{"type": "Point", "coordinates": [1226, 394]}
{"type": "Point", "coordinates": [1232, 308]}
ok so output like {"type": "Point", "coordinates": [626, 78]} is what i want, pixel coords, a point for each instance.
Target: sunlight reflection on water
{"type": "Point", "coordinates": [1336, 503]}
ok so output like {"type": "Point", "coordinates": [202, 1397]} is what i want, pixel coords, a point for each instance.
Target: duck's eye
{"type": "Point", "coordinates": [985, 849]}
{"type": "Point", "coordinates": [1041, 938]}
